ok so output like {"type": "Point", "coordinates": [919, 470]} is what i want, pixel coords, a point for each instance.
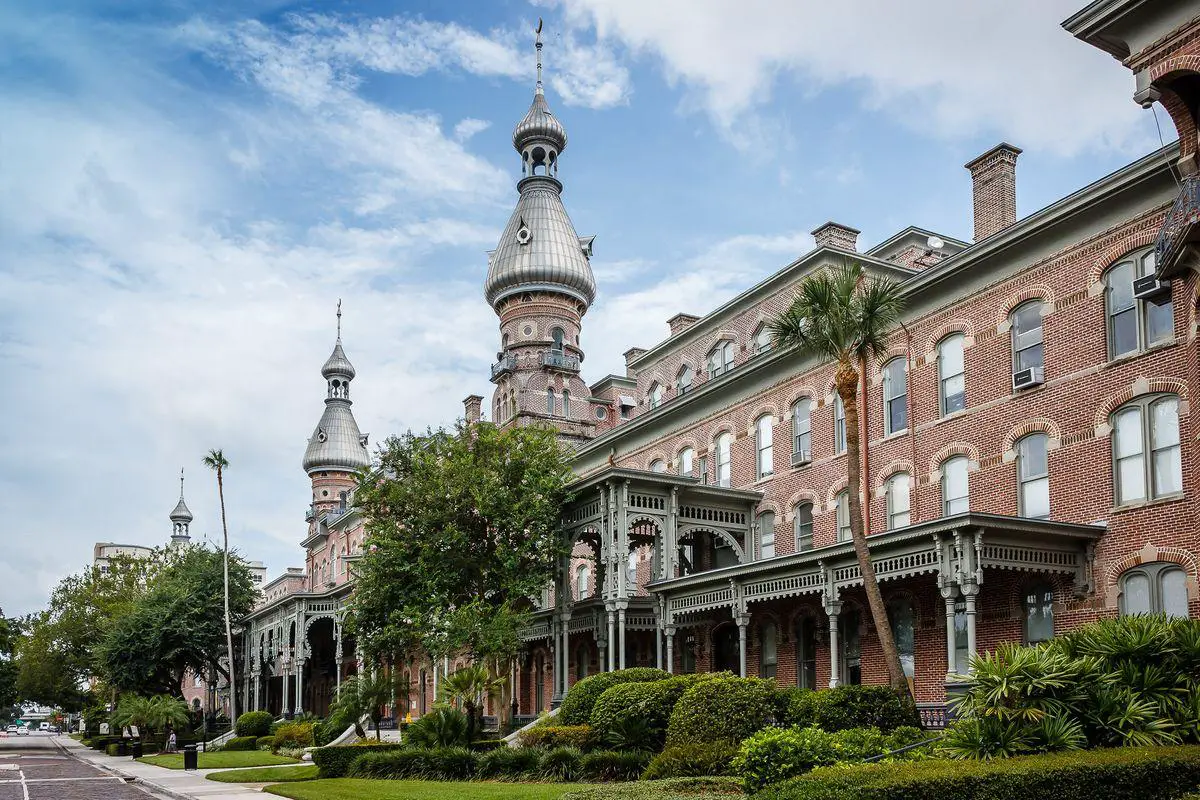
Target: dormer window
{"type": "Point", "coordinates": [720, 359]}
{"type": "Point", "coordinates": [655, 397]}
{"type": "Point", "coordinates": [762, 339]}
{"type": "Point", "coordinates": [683, 381]}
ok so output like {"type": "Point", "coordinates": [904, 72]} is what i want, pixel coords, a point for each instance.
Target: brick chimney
{"type": "Point", "coordinates": [681, 322]}
{"type": "Point", "coordinates": [472, 407]}
{"type": "Point", "coordinates": [994, 182]}
{"type": "Point", "coordinates": [840, 237]}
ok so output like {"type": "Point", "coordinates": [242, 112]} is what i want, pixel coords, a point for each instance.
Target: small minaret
{"type": "Point", "coordinates": [181, 518]}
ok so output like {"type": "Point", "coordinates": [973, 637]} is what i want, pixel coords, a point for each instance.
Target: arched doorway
{"type": "Point", "coordinates": [726, 656]}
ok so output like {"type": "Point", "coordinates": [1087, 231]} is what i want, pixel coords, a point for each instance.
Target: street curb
{"type": "Point", "coordinates": [125, 776]}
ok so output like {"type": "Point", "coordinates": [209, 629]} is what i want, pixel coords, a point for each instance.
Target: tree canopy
{"type": "Point", "coordinates": [462, 532]}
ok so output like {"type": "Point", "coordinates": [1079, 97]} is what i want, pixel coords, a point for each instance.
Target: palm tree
{"type": "Point", "coordinates": [362, 696]}
{"type": "Point", "coordinates": [151, 713]}
{"type": "Point", "coordinates": [469, 687]}
{"type": "Point", "coordinates": [845, 317]}
{"type": "Point", "coordinates": [216, 461]}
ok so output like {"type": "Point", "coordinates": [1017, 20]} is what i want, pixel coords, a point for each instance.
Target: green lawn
{"type": "Point", "coordinates": [232, 758]}
{"type": "Point", "coordinates": [361, 789]}
{"type": "Point", "coordinates": [305, 772]}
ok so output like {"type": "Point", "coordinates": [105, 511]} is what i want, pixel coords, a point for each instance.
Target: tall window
{"type": "Point", "coordinates": [951, 378]}
{"type": "Point", "coordinates": [1133, 324]}
{"type": "Point", "coordinates": [839, 425]}
{"type": "Point", "coordinates": [656, 395]}
{"type": "Point", "coordinates": [895, 396]}
{"type": "Point", "coordinates": [897, 492]}
{"type": "Point", "coordinates": [720, 359]}
{"type": "Point", "coordinates": [764, 445]}
{"type": "Point", "coordinates": [683, 381]}
{"type": "Point", "coordinates": [806, 652]}
{"type": "Point", "coordinates": [724, 475]}
{"type": "Point", "coordinates": [768, 650]}
{"type": "Point", "coordinates": [582, 657]}
{"type": "Point", "coordinates": [550, 402]}
{"type": "Point", "coordinates": [1033, 476]}
{"type": "Point", "coordinates": [685, 461]}
{"type": "Point", "coordinates": [1027, 337]}
{"type": "Point", "coordinates": [1038, 604]}
{"type": "Point", "coordinates": [802, 525]}
{"type": "Point", "coordinates": [903, 619]}
{"type": "Point", "coordinates": [766, 534]}
{"type": "Point", "coordinates": [1159, 587]}
{"type": "Point", "coordinates": [658, 465]}
{"type": "Point", "coordinates": [762, 339]}
{"type": "Point", "coordinates": [962, 653]}
{"type": "Point", "coordinates": [843, 516]}
{"type": "Point", "coordinates": [631, 571]}
{"type": "Point", "coordinates": [582, 576]}
{"type": "Point", "coordinates": [1146, 452]}
{"type": "Point", "coordinates": [802, 426]}
{"type": "Point", "coordinates": [557, 335]}
{"type": "Point", "coordinates": [566, 403]}
{"type": "Point", "coordinates": [850, 630]}
{"type": "Point", "coordinates": [954, 486]}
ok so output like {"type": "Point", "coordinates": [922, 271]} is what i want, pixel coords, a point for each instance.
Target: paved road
{"type": "Point", "coordinates": [34, 767]}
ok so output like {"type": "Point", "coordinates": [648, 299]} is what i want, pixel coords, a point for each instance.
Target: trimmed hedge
{"type": "Point", "coordinates": [577, 706]}
{"type": "Point", "coordinates": [692, 761]}
{"type": "Point", "coordinates": [650, 702]}
{"type": "Point", "coordinates": [334, 760]}
{"type": "Point", "coordinates": [241, 743]}
{"type": "Point", "coordinates": [393, 765]}
{"type": "Point", "coordinates": [509, 763]}
{"type": "Point", "coordinates": [722, 710]}
{"type": "Point", "coordinates": [579, 736]}
{"type": "Point", "coordinates": [710, 788]}
{"type": "Point", "coordinates": [1151, 773]}
{"type": "Point", "coordinates": [615, 765]}
{"type": "Point", "coordinates": [851, 707]}
{"type": "Point", "coordinates": [296, 734]}
{"type": "Point", "coordinates": [776, 754]}
{"type": "Point", "coordinates": [562, 764]}
{"type": "Point", "coordinates": [264, 743]}
{"type": "Point", "coordinates": [254, 723]}
{"type": "Point", "coordinates": [487, 745]}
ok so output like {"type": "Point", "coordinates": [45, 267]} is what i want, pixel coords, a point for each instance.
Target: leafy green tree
{"type": "Point", "coordinates": [361, 696]}
{"type": "Point", "coordinates": [846, 317]}
{"type": "Point", "coordinates": [10, 630]}
{"type": "Point", "coordinates": [216, 461]}
{"type": "Point", "coordinates": [155, 713]}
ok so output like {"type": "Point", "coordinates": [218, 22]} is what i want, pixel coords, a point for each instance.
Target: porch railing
{"type": "Point", "coordinates": [1180, 225]}
{"type": "Point", "coordinates": [935, 716]}
{"type": "Point", "coordinates": [560, 360]}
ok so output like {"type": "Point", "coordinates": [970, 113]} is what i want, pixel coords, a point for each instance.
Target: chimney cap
{"type": "Point", "coordinates": [1002, 148]}
{"type": "Point", "coordinates": [683, 317]}
{"type": "Point", "coordinates": [837, 225]}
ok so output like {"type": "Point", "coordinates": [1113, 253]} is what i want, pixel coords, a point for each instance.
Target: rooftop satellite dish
{"type": "Point", "coordinates": [935, 243]}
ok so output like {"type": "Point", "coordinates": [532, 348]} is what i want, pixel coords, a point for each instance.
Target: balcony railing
{"type": "Point", "coordinates": [560, 360]}
{"type": "Point", "coordinates": [1180, 226]}
{"type": "Point", "coordinates": [506, 364]}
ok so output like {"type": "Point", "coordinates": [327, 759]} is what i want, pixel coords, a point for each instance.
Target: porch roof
{"type": "Point", "coordinates": [667, 480]}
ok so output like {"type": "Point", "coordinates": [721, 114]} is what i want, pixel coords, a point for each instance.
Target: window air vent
{"type": "Point", "coordinates": [1034, 376]}
{"type": "Point", "coordinates": [801, 458]}
{"type": "Point", "coordinates": [1151, 289]}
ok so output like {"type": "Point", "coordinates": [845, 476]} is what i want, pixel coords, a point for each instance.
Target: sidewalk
{"type": "Point", "coordinates": [173, 782]}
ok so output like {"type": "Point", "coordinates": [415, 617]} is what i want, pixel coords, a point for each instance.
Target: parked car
{"type": "Point", "coordinates": [22, 730]}
{"type": "Point", "coordinates": [11, 729]}
{"type": "Point", "coordinates": [55, 729]}
{"type": "Point", "coordinates": [45, 726]}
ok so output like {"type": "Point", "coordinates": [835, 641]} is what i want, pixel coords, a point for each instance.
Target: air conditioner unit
{"type": "Point", "coordinates": [801, 457]}
{"type": "Point", "coordinates": [1152, 289]}
{"type": "Point", "coordinates": [1034, 376]}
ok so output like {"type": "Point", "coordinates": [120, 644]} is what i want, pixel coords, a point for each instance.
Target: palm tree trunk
{"type": "Point", "coordinates": [228, 621]}
{"type": "Point", "coordinates": [847, 387]}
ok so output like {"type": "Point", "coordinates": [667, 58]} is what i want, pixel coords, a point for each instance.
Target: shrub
{"type": "Point", "coordinates": [692, 760]}
{"type": "Point", "coordinates": [390, 764]}
{"type": "Point", "coordinates": [264, 743]}
{"type": "Point", "coordinates": [577, 706]}
{"type": "Point", "coordinates": [111, 749]}
{"type": "Point", "coordinates": [561, 764]}
{"type": "Point", "coordinates": [615, 765]}
{"type": "Point", "coordinates": [487, 745]}
{"type": "Point", "coordinates": [1112, 774]}
{"type": "Point", "coordinates": [441, 727]}
{"type": "Point", "coordinates": [796, 706]}
{"type": "Point", "coordinates": [509, 763]}
{"type": "Point", "coordinates": [774, 755]}
{"type": "Point", "coordinates": [634, 716]}
{"type": "Point", "coordinates": [721, 710]}
{"type": "Point", "coordinates": [451, 763]}
{"type": "Point", "coordinates": [864, 707]}
{"type": "Point", "coordinates": [335, 759]}
{"type": "Point", "coordinates": [254, 723]}
{"type": "Point", "coordinates": [297, 734]}
{"type": "Point", "coordinates": [578, 736]}
{"type": "Point", "coordinates": [708, 788]}
{"type": "Point", "coordinates": [241, 743]}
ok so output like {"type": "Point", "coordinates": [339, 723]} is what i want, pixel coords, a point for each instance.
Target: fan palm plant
{"type": "Point", "coordinates": [364, 695]}
{"type": "Point", "coordinates": [468, 687]}
{"type": "Point", "coordinates": [843, 316]}
{"type": "Point", "coordinates": [216, 461]}
{"type": "Point", "coordinates": [151, 713]}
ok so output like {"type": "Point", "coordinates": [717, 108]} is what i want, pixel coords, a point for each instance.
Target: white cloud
{"type": "Point", "coordinates": [589, 75]}
{"type": "Point", "coordinates": [470, 126]}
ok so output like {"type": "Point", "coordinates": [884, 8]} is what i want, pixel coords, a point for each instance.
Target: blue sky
{"type": "Point", "coordinates": [187, 188]}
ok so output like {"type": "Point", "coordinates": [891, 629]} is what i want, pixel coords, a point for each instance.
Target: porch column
{"type": "Point", "coordinates": [658, 644]}
{"type": "Point", "coordinates": [566, 652]}
{"type": "Point", "coordinates": [285, 699]}
{"type": "Point", "coordinates": [337, 656]}
{"type": "Point", "coordinates": [969, 592]}
{"type": "Point", "coordinates": [621, 632]}
{"type": "Point", "coordinates": [742, 622]}
{"type": "Point", "coordinates": [299, 709]}
{"type": "Point", "coordinates": [670, 634]}
{"type": "Point", "coordinates": [612, 638]}
{"type": "Point", "coordinates": [948, 596]}
{"type": "Point", "coordinates": [835, 671]}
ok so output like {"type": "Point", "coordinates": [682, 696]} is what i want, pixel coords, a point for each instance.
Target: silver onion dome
{"type": "Point", "coordinates": [181, 513]}
{"type": "Point", "coordinates": [539, 125]}
{"type": "Point", "coordinates": [336, 443]}
{"type": "Point", "coordinates": [337, 365]}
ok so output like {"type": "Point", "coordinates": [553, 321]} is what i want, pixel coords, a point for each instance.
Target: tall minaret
{"type": "Point", "coordinates": [181, 518]}
{"type": "Point", "coordinates": [540, 284]}
{"type": "Point", "coordinates": [336, 449]}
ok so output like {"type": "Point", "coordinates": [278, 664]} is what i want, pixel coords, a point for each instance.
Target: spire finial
{"type": "Point", "coordinates": [181, 483]}
{"type": "Point", "coordinates": [339, 319]}
{"type": "Point", "coordinates": [538, 45]}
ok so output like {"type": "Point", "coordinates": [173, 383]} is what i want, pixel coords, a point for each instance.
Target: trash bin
{"type": "Point", "coordinates": [191, 759]}
{"type": "Point", "coordinates": [136, 747]}
{"type": "Point", "coordinates": [122, 747]}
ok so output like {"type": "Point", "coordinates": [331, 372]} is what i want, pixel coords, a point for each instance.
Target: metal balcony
{"type": "Point", "coordinates": [560, 360]}
{"type": "Point", "coordinates": [503, 366]}
{"type": "Point", "coordinates": [1179, 228]}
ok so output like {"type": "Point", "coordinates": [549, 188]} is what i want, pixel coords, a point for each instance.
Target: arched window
{"type": "Point", "coordinates": [550, 402]}
{"type": "Point", "coordinates": [850, 639]}
{"type": "Point", "coordinates": [764, 445]}
{"type": "Point", "coordinates": [683, 381]}
{"type": "Point", "coordinates": [802, 526]}
{"type": "Point", "coordinates": [762, 339]}
{"type": "Point", "coordinates": [583, 574]}
{"type": "Point", "coordinates": [903, 619]}
{"type": "Point", "coordinates": [656, 395]}
{"type": "Point", "coordinates": [720, 359]}
{"type": "Point", "coordinates": [951, 374]}
{"type": "Point", "coordinates": [658, 465]}
{"type": "Point", "coordinates": [843, 516]}
{"type": "Point", "coordinates": [839, 425]}
{"type": "Point", "coordinates": [802, 431]}
{"type": "Point", "coordinates": [1159, 587]}
{"type": "Point", "coordinates": [766, 534]}
{"type": "Point", "coordinates": [557, 335]}
{"type": "Point", "coordinates": [1134, 325]}
{"type": "Point", "coordinates": [897, 492]}
{"type": "Point", "coordinates": [1146, 451]}
{"type": "Point", "coordinates": [686, 461]}
{"type": "Point", "coordinates": [768, 650]}
{"type": "Point", "coordinates": [1033, 476]}
{"type": "Point", "coordinates": [806, 652]}
{"type": "Point", "coordinates": [723, 445]}
{"type": "Point", "coordinates": [1027, 347]}
{"type": "Point", "coordinates": [955, 496]}
{"type": "Point", "coordinates": [1038, 605]}
{"type": "Point", "coordinates": [631, 571]}
{"type": "Point", "coordinates": [895, 396]}
{"type": "Point", "coordinates": [566, 403]}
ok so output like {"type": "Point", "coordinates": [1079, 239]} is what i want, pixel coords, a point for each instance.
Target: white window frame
{"type": "Point", "coordinates": [724, 449]}
{"type": "Point", "coordinates": [844, 531]}
{"type": "Point", "coordinates": [1153, 572]}
{"type": "Point", "coordinates": [839, 425]}
{"type": "Point", "coordinates": [1026, 484]}
{"type": "Point", "coordinates": [890, 396]}
{"type": "Point", "coordinates": [1149, 450]}
{"type": "Point", "coordinates": [720, 359]}
{"type": "Point", "coordinates": [761, 346]}
{"type": "Point", "coordinates": [1027, 341]}
{"type": "Point", "coordinates": [582, 578]}
{"type": "Point", "coordinates": [1140, 264]}
{"type": "Point", "coordinates": [802, 426]}
{"type": "Point", "coordinates": [959, 504]}
{"type": "Point", "coordinates": [684, 378]}
{"type": "Point", "coordinates": [655, 397]}
{"type": "Point", "coordinates": [686, 461]}
{"type": "Point", "coordinates": [802, 531]}
{"type": "Point", "coordinates": [766, 534]}
{"type": "Point", "coordinates": [898, 493]}
{"type": "Point", "coordinates": [764, 446]}
{"type": "Point", "coordinates": [946, 378]}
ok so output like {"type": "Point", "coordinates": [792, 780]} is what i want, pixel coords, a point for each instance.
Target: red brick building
{"type": "Point", "coordinates": [1029, 454]}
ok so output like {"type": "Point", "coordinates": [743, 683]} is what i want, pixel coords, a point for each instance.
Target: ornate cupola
{"type": "Point", "coordinates": [540, 284]}
{"type": "Point", "coordinates": [181, 518]}
{"type": "Point", "coordinates": [336, 448]}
